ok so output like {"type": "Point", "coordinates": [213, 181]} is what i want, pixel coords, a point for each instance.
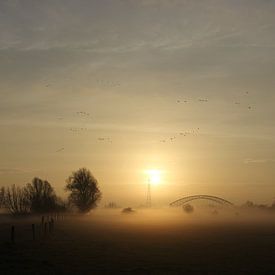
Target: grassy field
{"type": "Point", "coordinates": [147, 242]}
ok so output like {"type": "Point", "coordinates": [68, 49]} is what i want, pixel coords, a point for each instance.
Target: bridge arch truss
{"type": "Point", "coordinates": [184, 200]}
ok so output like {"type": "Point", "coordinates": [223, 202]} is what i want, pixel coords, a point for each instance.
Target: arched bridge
{"type": "Point", "coordinates": [185, 200]}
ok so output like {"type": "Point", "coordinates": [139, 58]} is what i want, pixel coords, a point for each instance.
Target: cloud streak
{"type": "Point", "coordinates": [259, 161]}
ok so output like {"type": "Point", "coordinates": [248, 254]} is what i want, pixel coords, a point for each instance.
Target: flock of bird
{"type": "Point", "coordinates": [206, 100]}
{"type": "Point", "coordinates": [182, 134]}
{"type": "Point", "coordinates": [59, 150]}
{"type": "Point", "coordinates": [84, 114]}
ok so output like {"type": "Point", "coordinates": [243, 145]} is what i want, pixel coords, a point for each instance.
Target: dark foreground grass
{"type": "Point", "coordinates": [110, 243]}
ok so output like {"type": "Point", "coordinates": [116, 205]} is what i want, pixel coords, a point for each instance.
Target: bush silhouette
{"type": "Point", "coordinates": [84, 190]}
{"type": "Point", "coordinates": [188, 208]}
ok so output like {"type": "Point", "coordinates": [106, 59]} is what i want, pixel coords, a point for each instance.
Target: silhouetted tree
{"type": "Point", "coordinates": [252, 205]}
{"type": "Point", "coordinates": [16, 200]}
{"type": "Point", "coordinates": [2, 197]}
{"type": "Point", "coordinates": [84, 190]}
{"type": "Point", "coordinates": [41, 196]}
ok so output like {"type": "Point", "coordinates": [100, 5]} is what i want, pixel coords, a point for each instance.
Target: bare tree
{"type": "Point", "coordinates": [2, 197]}
{"type": "Point", "coordinates": [16, 200]}
{"type": "Point", "coordinates": [41, 196]}
{"type": "Point", "coordinates": [84, 190]}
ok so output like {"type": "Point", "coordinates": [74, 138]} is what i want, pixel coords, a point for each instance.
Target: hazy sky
{"type": "Point", "coordinates": [130, 66]}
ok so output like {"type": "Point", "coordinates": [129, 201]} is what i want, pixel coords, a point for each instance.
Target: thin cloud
{"type": "Point", "coordinates": [249, 161]}
{"type": "Point", "coordinates": [12, 171]}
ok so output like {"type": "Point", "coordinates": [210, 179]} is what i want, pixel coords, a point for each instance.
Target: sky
{"type": "Point", "coordinates": [120, 87]}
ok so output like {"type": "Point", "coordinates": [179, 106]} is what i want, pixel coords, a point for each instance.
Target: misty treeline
{"type": "Point", "coordinates": [39, 197]}
{"type": "Point", "coordinates": [252, 205]}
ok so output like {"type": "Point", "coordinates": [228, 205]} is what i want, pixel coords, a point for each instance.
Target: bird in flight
{"type": "Point", "coordinates": [59, 150]}
{"type": "Point", "coordinates": [107, 139]}
{"type": "Point", "coordinates": [83, 113]}
{"type": "Point", "coordinates": [203, 100]}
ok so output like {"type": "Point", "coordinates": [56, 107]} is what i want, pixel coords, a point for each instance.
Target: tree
{"type": "Point", "coordinates": [84, 190]}
{"type": "Point", "coordinates": [2, 197]}
{"type": "Point", "coordinates": [41, 196]}
{"type": "Point", "coordinates": [16, 200]}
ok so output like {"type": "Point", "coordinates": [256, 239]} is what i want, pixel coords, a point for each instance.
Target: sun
{"type": "Point", "coordinates": [154, 176]}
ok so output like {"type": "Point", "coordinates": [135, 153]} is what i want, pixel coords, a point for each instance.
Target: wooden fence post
{"type": "Point", "coordinates": [45, 228]}
{"type": "Point", "coordinates": [52, 225]}
{"type": "Point", "coordinates": [12, 234]}
{"type": "Point", "coordinates": [33, 232]}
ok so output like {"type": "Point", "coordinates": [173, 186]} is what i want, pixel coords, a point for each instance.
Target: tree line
{"type": "Point", "coordinates": [39, 197]}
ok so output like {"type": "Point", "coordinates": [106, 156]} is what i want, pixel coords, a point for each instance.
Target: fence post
{"type": "Point", "coordinates": [38, 231]}
{"type": "Point", "coordinates": [12, 234]}
{"type": "Point", "coordinates": [52, 225]}
{"type": "Point", "coordinates": [33, 232]}
{"type": "Point", "coordinates": [45, 228]}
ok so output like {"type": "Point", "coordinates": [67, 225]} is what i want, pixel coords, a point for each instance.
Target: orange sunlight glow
{"type": "Point", "coordinates": [154, 176]}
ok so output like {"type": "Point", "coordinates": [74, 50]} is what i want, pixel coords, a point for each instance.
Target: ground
{"type": "Point", "coordinates": [146, 242]}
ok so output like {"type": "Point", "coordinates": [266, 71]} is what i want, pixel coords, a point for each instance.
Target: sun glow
{"type": "Point", "coordinates": [154, 176]}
